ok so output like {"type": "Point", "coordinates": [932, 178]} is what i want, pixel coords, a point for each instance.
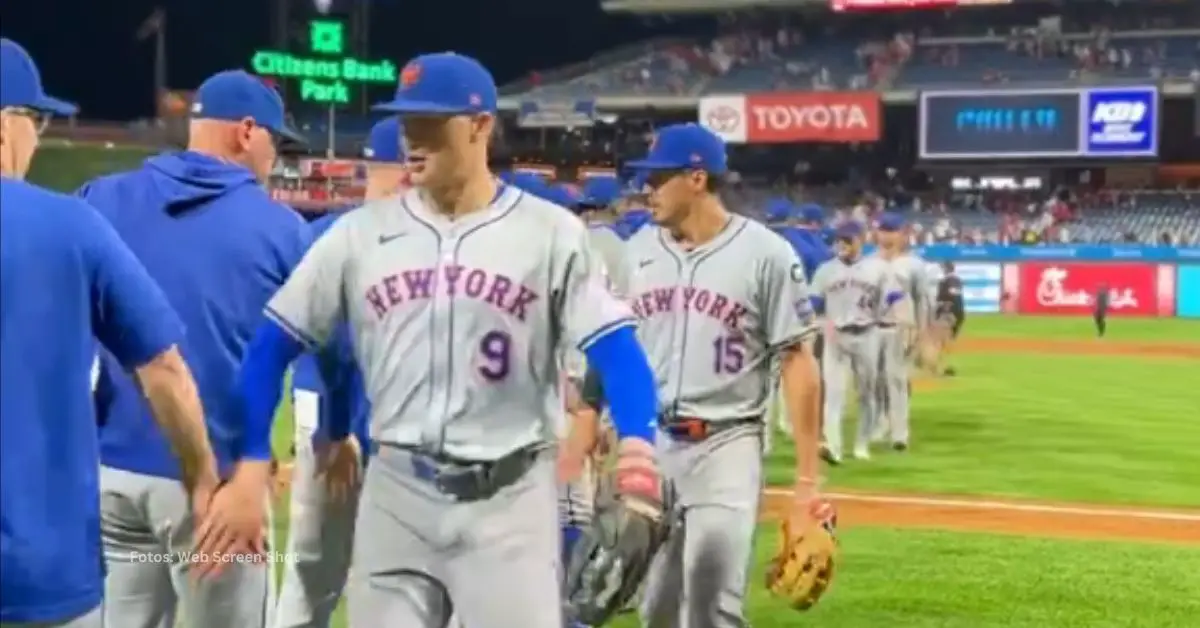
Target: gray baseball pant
{"type": "Point", "coordinates": [699, 577]}
{"type": "Point", "coordinates": [420, 554]}
{"type": "Point", "coordinates": [319, 546]}
{"type": "Point", "coordinates": [147, 530]}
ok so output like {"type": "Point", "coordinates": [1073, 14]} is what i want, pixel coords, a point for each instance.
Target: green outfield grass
{"type": "Point", "coordinates": [1172, 330]}
{"type": "Point", "coordinates": [1108, 429]}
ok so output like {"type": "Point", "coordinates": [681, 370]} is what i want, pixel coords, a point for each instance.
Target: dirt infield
{"type": "Point", "coordinates": [1005, 517]}
{"type": "Point", "coordinates": [1079, 347]}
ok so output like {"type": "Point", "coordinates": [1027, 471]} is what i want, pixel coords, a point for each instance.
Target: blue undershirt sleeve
{"type": "Point", "coordinates": [818, 303]}
{"type": "Point", "coordinates": [628, 382]}
{"type": "Point", "coordinates": [260, 385]}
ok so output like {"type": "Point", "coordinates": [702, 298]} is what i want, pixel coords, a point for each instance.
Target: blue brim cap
{"type": "Point", "coordinates": [684, 147]}
{"type": "Point", "coordinates": [445, 84]}
{"type": "Point", "coordinates": [50, 104]}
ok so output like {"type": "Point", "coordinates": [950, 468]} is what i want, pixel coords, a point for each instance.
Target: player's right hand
{"type": "Point", "coordinates": [201, 494]}
{"type": "Point", "coordinates": [637, 476]}
{"type": "Point", "coordinates": [236, 519]}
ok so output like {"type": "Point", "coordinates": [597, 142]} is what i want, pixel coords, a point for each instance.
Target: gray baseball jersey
{"type": "Point", "coordinates": [854, 293]}
{"type": "Point", "coordinates": [909, 272]}
{"type": "Point", "coordinates": [713, 317]}
{"type": "Point", "coordinates": [457, 324]}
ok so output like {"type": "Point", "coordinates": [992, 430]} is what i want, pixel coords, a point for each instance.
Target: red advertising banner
{"type": "Point", "coordinates": [783, 117]}
{"type": "Point", "coordinates": [1070, 289]}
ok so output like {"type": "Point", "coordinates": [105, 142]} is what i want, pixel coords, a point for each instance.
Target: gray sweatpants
{"type": "Point", "coordinates": [699, 576]}
{"type": "Point", "coordinates": [419, 553]}
{"type": "Point", "coordinates": [147, 530]}
{"type": "Point", "coordinates": [92, 619]}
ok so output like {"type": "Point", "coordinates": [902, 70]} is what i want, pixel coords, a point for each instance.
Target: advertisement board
{"type": "Point", "coordinates": [1187, 304]}
{"type": "Point", "coordinates": [1031, 124]}
{"type": "Point", "coordinates": [1069, 288]}
{"type": "Point", "coordinates": [557, 115]}
{"type": "Point", "coordinates": [782, 117]}
{"type": "Point", "coordinates": [982, 289]}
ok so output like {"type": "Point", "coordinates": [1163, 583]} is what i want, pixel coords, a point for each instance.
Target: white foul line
{"type": "Point", "coordinates": [994, 505]}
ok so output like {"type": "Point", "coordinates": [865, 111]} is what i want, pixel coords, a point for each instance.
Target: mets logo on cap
{"type": "Point", "coordinates": [410, 75]}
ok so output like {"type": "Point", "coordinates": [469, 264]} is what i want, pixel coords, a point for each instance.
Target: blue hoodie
{"type": "Point", "coordinates": [219, 247]}
{"type": "Point", "coordinates": [334, 376]}
{"type": "Point", "coordinates": [65, 280]}
{"type": "Point", "coordinates": [814, 251]}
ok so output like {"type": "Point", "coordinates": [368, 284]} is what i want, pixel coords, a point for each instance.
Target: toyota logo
{"type": "Point", "coordinates": [724, 119]}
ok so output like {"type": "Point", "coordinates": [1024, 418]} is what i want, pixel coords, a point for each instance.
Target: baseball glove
{"type": "Point", "coordinates": [612, 557]}
{"type": "Point", "coordinates": [803, 568]}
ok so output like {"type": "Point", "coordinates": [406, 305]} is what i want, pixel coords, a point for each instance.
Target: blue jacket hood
{"type": "Point", "coordinates": [187, 179]}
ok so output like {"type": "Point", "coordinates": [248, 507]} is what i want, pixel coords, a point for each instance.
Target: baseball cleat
{"type": "Point", "coordinates": [861, 452]}
{"type": "Point", "coordinates": [828, 456]}
{"type": "Point", "coordinates": [898, 446]}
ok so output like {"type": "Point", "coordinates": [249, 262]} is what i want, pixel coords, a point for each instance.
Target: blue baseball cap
{"type": "Point", "coordinates": [526, 181]}
{"type": "Point", "coordinates": [891, 222]}
{"type": "Point", "coordinates": [600, 191]}
{"type": "Point", "coordinates": [849, 229]}
{"type": "Point", "coordinates": [685, 147]}
{"type": "Point", "coordinates": [383, 144]}
{"type": "Point", "coordinates": [444, 83]}
{"type": "Point", "coordinates": [812, 213]}
{"type": "Point", "coordinates": [779, 210]}
{"type": "Point", "coordinates": [21, 83]}
{"type": "Point", "coordinates": [234, 95]}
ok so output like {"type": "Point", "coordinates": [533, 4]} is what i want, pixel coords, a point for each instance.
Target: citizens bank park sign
{"type": "Point", "coordinates": [781, 117]}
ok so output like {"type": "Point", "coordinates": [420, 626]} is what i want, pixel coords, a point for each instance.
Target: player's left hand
{"type": "Point", "coordinates": [340, 463]}
{"type": "Point", "coordinates": [236, 518]}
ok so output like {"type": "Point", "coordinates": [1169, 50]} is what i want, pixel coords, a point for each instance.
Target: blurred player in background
{"type": "Point", "coordinates": [326, 481]}
{"type": "Point", "coordinates": [899, 329]}
{"type": "Point", "coordinates": [950, 314]}
{"type": "Point", "coordinates": [854, 293]}
{"type": "Point", "coordinates": [219, 247]}
{"type": "Point", "coordinates": [66, 280]}
{"type": "Point", "coordinates": [1100, 309]}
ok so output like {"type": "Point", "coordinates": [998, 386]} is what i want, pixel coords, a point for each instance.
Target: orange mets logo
{"type": "Point", "coordinates": [410, 75]}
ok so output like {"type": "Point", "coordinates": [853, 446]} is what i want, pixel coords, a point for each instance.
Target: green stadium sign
{"type": "Point", "coordinates": [325, 72]}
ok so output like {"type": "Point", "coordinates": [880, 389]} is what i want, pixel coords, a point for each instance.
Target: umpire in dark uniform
{"type": "Point", "coordinates": [949, 307]}
{"type": "Point", "coordinates": [1100, 312]}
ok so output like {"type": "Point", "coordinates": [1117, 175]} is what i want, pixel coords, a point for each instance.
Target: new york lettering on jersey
{"type": "Point", "coordinates": [853, 293]}
{"type": "Point", "coordinates": [448, 317]}
{"type": "Point", "coordinates": [709, 332]}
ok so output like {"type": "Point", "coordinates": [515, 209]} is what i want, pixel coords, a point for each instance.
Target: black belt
{"type": "Point", "coordinates": [887, 325]}
{"type": "Point", "coordinates": [855, 330]}
{"type": "Point", "coordinates": [471, 480]}
{"type": "Point", "coordinates": [694, 429]}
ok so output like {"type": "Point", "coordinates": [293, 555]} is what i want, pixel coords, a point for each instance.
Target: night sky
{"type": "Point", "coordinates": [88, 52]}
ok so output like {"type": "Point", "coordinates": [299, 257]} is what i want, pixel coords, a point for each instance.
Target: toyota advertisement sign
{"type": "Point", "coordinates": [1039, 124]}
{"type": "Point", "coordinates": [784, 117]}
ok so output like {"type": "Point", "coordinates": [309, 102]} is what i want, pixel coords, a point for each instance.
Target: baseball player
{"type": "Point", "coordinates": [219, 247]}
{"type": "Point", "coordinates": [324, 500]}
{"type": "Point", "coordinates": [719, 297]}
{"type": "Point", "coordinates": [458, 295]}
{"type": "Point", "coordinates": [66, 280]}
{"type": "Point", "coordinates": [898, 328]}
{"type": "Point", "coordinates": [951, 313]}
{"type": "Point", "coordinates": [854, 294]}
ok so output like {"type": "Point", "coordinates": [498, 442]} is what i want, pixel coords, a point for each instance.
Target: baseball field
{"type": "Point", "coordinates": [1055, 483]}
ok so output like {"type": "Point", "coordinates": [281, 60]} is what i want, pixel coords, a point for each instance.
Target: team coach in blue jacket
{"type": "Point", "coordinates": [219, 247]}
{"type": "Point", "coordinates": [65, 280]}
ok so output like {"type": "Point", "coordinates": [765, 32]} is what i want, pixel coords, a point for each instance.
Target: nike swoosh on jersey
{"type": "Point", "coordinates": [384, 239]}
